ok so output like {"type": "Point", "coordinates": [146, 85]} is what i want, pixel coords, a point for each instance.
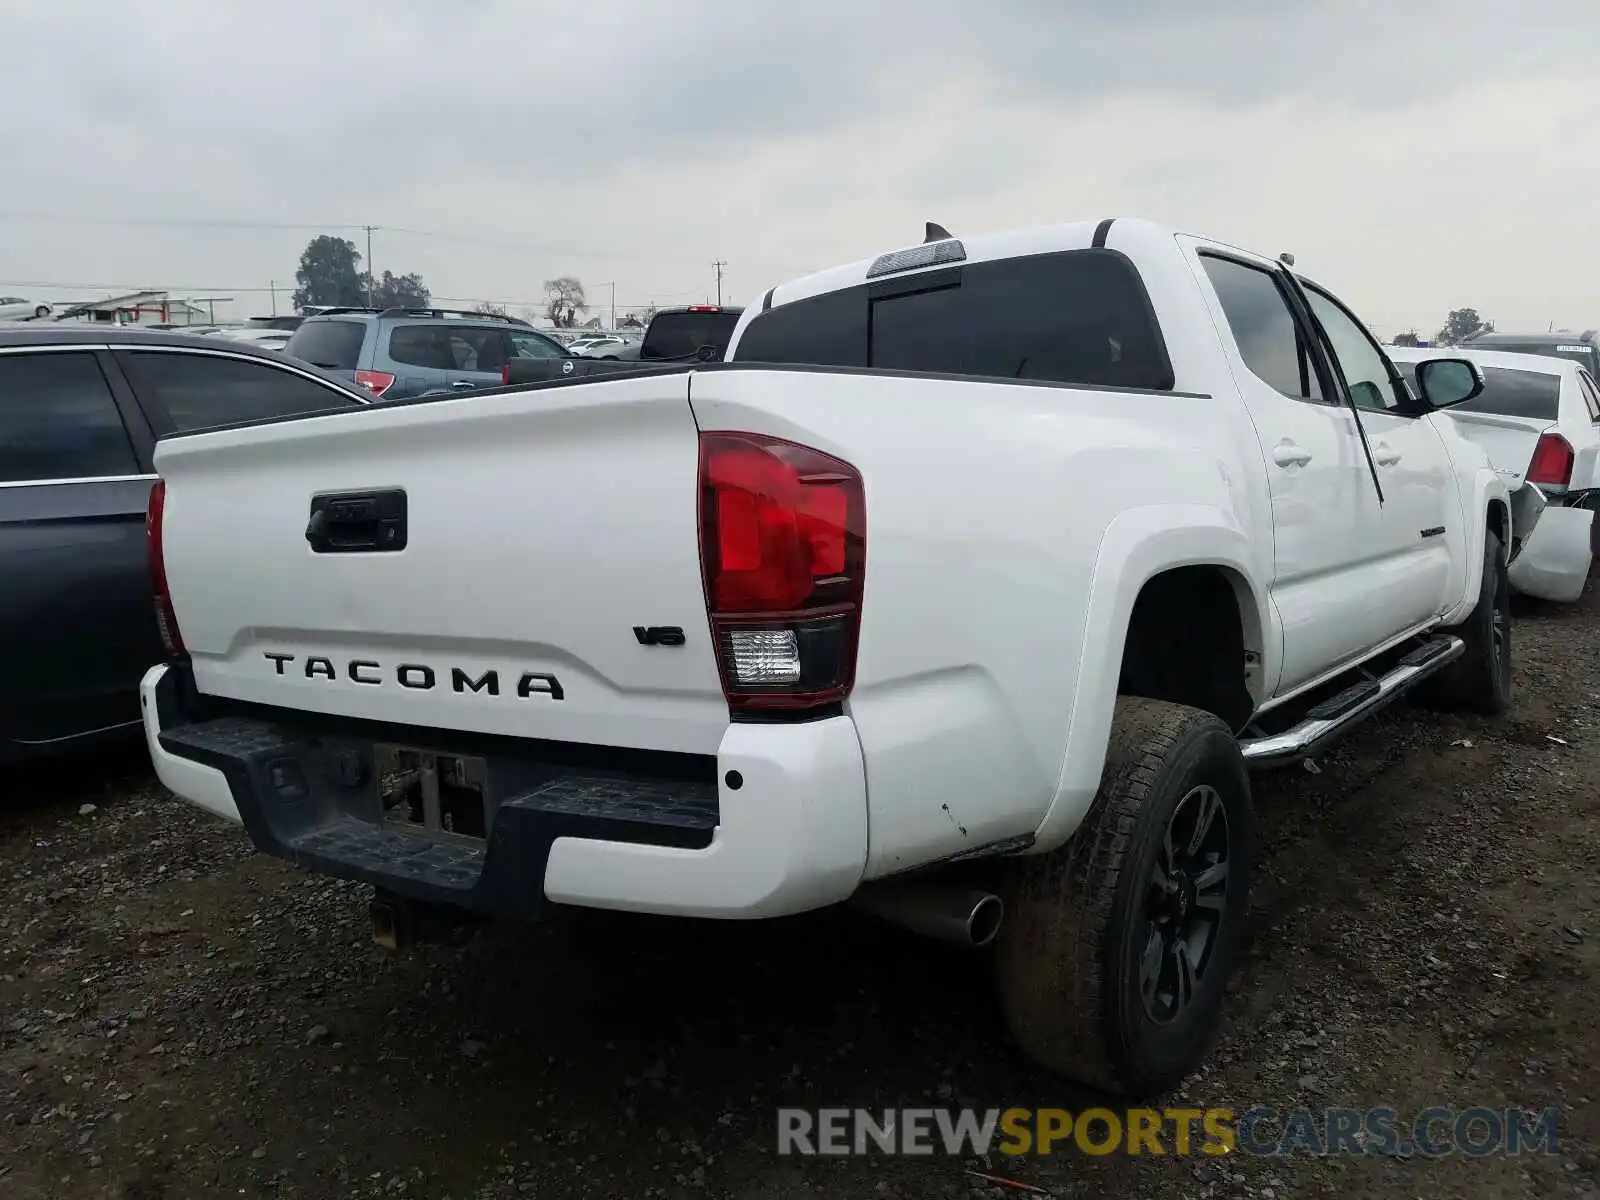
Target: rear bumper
{"type": "Point", "coordinates": [1555, 560]}
{"type": "Point", "coordinates": [791, 836]}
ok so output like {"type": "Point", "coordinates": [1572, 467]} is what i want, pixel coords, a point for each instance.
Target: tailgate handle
{"type": "Point", "coordinates": [357, 522]}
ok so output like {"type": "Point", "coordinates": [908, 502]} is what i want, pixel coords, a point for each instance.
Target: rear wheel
{"type": "Point", "coordinates": [1116, 947]}
{"type": "Point", "coordinates": [1480, 680]}
{"type": "Point", "coordinates": [42, 311]}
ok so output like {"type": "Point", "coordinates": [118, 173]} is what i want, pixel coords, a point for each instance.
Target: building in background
{"type": "Point", "coordinates": [144, 308]}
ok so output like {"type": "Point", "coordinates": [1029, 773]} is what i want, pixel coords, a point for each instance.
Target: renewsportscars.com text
{"type": "Point", "coordinates": [1259, 1131]}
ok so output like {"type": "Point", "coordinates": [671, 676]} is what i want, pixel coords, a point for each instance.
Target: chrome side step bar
{"type": "Point", "coordinates": [1336, 716]}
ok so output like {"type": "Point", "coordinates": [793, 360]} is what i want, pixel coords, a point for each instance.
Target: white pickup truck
{"type": "Point", "coordinates": [968, 589]}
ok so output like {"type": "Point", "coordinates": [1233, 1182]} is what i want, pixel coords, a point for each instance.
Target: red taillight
{"type": "Point", "coordinates": [505, 373]}
{"type": "Point", "coordinates": [166, 619]}
{"type": "Point", "coordinates": [1552, 461]}
{"type": "Point", "coordinates": [703, 308]}
{"type": "Point", "coordinates": [783, 550]}
{"type": "Point", "coordinates": [376, 382]}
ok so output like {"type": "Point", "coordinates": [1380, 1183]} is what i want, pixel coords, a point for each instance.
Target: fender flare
{"type": "Point", "coordinates": [1138, 545]}
{"type": "Point", "coordinates": [1479, 492]}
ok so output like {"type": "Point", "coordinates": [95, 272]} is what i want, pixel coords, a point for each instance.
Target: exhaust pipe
{"type": "Point", "coordinates": [963, 916]}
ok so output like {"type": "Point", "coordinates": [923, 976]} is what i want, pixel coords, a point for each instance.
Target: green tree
{"type": "Point", "coordinates": [397, 291]}
{"type": "Point", "coordinates": [1461, 324]}
{"type": "Point", "coordinates": [1408, 338]}
{"type": "Point", "coordinates": [563, 301]}
{"type": "Point", "coordinates": [327, 273]}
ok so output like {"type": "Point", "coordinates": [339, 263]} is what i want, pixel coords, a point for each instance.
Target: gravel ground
{"type": "Point", "coordinates": [181, 1017]}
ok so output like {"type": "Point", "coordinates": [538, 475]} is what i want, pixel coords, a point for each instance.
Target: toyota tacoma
{"type": "Point", "coordinates": [969, 589]}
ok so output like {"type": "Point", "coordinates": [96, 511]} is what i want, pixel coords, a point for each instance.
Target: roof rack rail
{"type": "Point", "coordinates": [335, 309]}
{"type": "Point", "coordinates": [400, 311]}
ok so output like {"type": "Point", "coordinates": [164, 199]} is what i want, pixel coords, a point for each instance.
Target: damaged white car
{"type": "Point", "coordinates": [1538, 418]}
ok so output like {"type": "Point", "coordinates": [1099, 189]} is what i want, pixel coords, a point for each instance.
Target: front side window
{"type": "Point", "coordinates": [58, 420]}
{"type": "Point", "coordinates": [1365, 369]}
{"type": "Point", "coordinates": [1263, 327]}
{"type": "Point", "coordinates": [199, 391]}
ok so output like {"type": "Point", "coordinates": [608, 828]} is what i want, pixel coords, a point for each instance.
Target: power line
{"type": "Point", "coordinates": [499, 240]}
{"type": "Point", "coordinates": [170, 222]}
{"type": "Point", "coordinates": [272, 289]}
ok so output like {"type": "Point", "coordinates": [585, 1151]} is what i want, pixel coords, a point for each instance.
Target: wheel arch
{"type": "Point", "coordinates": [1194, 546]}
{"type": "Point", "coordinates": [1488, 506]}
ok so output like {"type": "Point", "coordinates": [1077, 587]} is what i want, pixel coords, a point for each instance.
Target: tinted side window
{"type": "Point", "coordinates": [1269, 339]}
{"type": "Point", "coordinates": [58, 420]}
{"type": "Point", "coordinates": [447, 348]}
{"type": "Point", "coordinates": [1079, 316]}
{"type": "Point", "coordinates": [1516, 393]}
{"type": "Point", "coordinates": [532, 345]}
{"type": "Point", "coordinates": [422, 346]}
{"type": "Point", "coordinates": [335, 345]}
{"type": "Point", "coordinates": [1366, 371]}
{"type": "Point", "coordinates": [197, 391]}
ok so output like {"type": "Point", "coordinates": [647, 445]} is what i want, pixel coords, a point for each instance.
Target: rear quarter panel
{"type": "Point", "coordinates": [1009, 528]}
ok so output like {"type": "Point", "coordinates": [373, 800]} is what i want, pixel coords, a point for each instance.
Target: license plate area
{"type": "Point", "coordinates": [432, 794]}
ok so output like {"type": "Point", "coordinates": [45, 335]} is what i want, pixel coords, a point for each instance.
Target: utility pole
{"type": "Point", "coordinates": [612, 284]}
{"type": "Point", "coordinates": [719, 264]}
{"type": "Point", "coordinates": [370, 273]}
{"type": "Point", "coordinates": [272, 286]}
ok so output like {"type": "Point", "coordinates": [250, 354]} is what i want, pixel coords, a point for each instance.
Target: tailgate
{"type": "Point", "coordinates": [541, 529]}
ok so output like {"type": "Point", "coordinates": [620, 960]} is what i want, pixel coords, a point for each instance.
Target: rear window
{"type": "Point", "coordinates": [1576, 351]}
{"type": "Point", "coordinates": [1517, 394]}
{"type": "Point", "coordinates": [335, 345]}
{"type": "Point", "coordinates": [1079, 316]}
{"type": "Point", "coordinates": [680, 335]}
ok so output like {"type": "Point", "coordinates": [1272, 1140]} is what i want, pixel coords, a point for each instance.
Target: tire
{"type": "Point", "coordinates": [1480, 680]}
{"type": "Point", "coordinates": [1068, 955]}
{"type": "Point", "coordinates": [41, 312]}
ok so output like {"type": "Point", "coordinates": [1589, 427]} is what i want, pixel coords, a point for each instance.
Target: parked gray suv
{"type": "Point", "coordinates": [398, 353]}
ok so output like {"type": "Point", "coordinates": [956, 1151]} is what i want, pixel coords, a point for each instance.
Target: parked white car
{"type": "Point", "coordinates": [20, 308]}
{"type": "Point", "coordinates": [267, 339]}
{"type": "Point", "coordinates": [1539, 420]}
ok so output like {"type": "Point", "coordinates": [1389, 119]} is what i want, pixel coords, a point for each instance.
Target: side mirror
{"type": "Point", "coordinates": [1444, 382]}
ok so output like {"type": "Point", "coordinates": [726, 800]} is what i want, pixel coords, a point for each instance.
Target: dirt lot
{"type": "Point", "coordinates": [180, 1017]}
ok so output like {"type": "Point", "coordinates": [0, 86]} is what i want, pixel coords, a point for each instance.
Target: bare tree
{"type": "Point", "coordinates": [490, 310]}
{"type": "Point", "coordinates": [564, 300]}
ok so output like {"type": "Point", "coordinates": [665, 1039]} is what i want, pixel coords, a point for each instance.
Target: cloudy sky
{"type": "Point", "coordinates": [1416, 156]}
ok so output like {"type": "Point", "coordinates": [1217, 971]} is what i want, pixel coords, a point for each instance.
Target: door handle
{"type": "Point", "coordinates": [1287, 454]}
{"type": "Point", "coordinates": [1383, 456]}
{"type": "Point", "coordinates": [463, 384]}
